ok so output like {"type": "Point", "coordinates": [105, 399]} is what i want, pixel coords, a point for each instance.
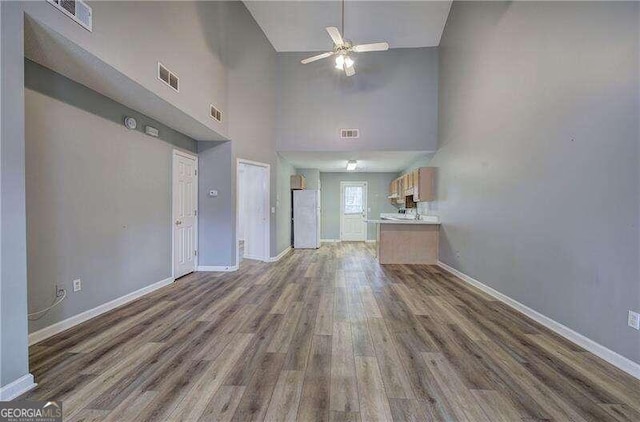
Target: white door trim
{"type": "Point", "coordinates": [267, 208]}
{"type": "Point", "coordinates": [185, 154]}
{"type": "Point", "coordinates": [365, 205]}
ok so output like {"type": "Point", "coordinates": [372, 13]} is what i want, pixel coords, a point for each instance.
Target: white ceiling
{"type": "Point", "coordinates": [368, 161]}
{"type": "Point", "coordinates": [299, 25]}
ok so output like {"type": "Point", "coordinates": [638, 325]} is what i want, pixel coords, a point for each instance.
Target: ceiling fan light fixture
{"type": "Point", "coordinates": [351, 165]}
{"type": "Point", "coordinates": [348, 61]}
{"type": "Point", "coordinates": [343, 61]}
{"type": "Point", "coordinates": [342, 48]}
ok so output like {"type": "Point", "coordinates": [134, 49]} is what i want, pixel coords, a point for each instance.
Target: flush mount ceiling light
{"type": "Point", "coordinates": [351, 165]}
{"type": "Point", "coordinates": [342, 48]}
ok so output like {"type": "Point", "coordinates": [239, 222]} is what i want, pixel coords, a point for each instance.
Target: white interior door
{"type": "Point", "coordinates": [253, 191]}
{"type": "Point", "coordinates": [185, 204]}
{"type": "Point", "coordinates": [353, 211]}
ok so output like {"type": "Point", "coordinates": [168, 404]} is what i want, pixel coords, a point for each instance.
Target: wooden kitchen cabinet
{"type": "Point", "coordinates": [297, 182]}
{"type": "Point", "coordinates": [411, 182]}
{"type": "Point", "coordinates": [424, 189]}
{"type": "Point", "coordinates": [400, 199]}
{"type": "Point", "coordinates": [418, 186]}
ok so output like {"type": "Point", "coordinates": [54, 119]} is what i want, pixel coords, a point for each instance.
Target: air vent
{"type": "Point", "coordinates": [215, 113]}
{"type": "Point", "coordinates": [349, 133]}
{"type": "Point", "coordinates": [77, 10]}
{"type": "Point", "coordinates": [167, 76]}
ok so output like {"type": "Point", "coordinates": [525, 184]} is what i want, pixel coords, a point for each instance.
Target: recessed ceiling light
{"type": "Point", "coordinates": [351, 165]}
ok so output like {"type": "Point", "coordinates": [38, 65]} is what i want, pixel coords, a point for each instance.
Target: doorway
{"type": "Point", "coordinates": [252, 205]}
{"type": "Point", "coordinates": [353, 211]}
{"type": "Point", "coordinates": [185, 211]}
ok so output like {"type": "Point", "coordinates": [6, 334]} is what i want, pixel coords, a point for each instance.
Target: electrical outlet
{"type": "Point", "coordinates": [77, 285]}
{"type": "Point", "coordinates": [634, 320]}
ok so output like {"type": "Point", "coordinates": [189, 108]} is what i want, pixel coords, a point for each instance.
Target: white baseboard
{"type": "Point", "coordinates": [17, 388]}
{"type": "Point", "coordinates": [617, 360]}
{"type": "Point", "coordinates": [58, 327]}
{"type": "Point", "coordinates": [370, 241]}
{"type": "Point", "coordinates": [280, 255]}
{"type": "Point", "coordinates": [217, 268]}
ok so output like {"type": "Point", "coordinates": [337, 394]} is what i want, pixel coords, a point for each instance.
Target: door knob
{"type": "Point", "coordinates": [178, 222]}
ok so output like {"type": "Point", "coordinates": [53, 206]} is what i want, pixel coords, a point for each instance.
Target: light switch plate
{"type": "Point", "coordinates": [77, 285]}
{"type": "Point", "coordinates": [634, 320]}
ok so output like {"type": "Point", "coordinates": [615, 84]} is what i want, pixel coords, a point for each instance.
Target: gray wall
{"type": "Point", "coordinates": [251, 64]}
{"type": "Point", "coordinates": [216, 222]}
{"type": "Point", "coordinates": [311, 178]}
{"type": "Point", "coordinates": [392, 100]}
{"type": "Point", "coordinates": [185, 38]}
{"type": "Point", "coordinates": [250, 59]}
{"type": "Point", "coordinates": [378, 189]}
{"type": "Point", "coordinates": [98, 196]}
{"type": "Point", "coordinates": [14, 362]}
{"type": "Point", "coordinates": [538, 163]}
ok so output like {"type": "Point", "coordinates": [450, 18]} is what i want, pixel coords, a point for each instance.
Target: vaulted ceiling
{"type": "Point", "coordinates": [299, 25]}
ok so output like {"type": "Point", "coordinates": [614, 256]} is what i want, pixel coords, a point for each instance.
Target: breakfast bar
{"type": "Point", "coordinates": [407, 241]}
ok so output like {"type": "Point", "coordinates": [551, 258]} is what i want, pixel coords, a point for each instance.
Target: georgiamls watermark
{"type": "Point", "coordinates": [31, 411]}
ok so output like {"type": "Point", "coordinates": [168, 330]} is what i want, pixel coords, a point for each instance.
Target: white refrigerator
{"type": "Point", "coordinates": [306, 219]}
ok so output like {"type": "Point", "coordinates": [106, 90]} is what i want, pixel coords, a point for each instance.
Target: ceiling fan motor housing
{"type": "Point", "coordinates": [344, 48]}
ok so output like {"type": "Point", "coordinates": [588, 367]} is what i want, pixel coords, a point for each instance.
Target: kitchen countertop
{"type": "Point", "coordinates": [403, 221]}
{"type": "Point", "coordinates": [433, 223]}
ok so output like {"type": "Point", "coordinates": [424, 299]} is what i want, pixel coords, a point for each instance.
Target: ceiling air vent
{"type": "Point", "coordinates": [167, 76]}
{"type": "Point", "coordinates": [77, 10]}
{"type": "Point", "coordinates": [215, 113]}
{"type": "Point", "coordinates": [349, 133]}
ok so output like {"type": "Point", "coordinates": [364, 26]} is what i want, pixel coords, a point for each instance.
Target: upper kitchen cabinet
{"type": "Point", "coordinates": [297, 182]}
{"type": "Point", "coordinates": [424, 187]}
{"type": "Point", "coordinates": [416, 186]}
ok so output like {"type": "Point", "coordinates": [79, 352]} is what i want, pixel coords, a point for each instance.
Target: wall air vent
{"type": "Point", "coordinates": [167, 76]}
{"type": "Point", "coordinates": [349, 133]}
{"type": "Point", "coordinates": [215, 113]}
{"type": "Point", "coordinates": [77, 10]}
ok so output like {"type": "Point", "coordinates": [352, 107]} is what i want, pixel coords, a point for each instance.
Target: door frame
{"type": "Point", "coordinates": [267, 209]}
{"type": "Point", "coordinates": [174, 155]}
{"type": "Point", "coordinates": [365, 206]}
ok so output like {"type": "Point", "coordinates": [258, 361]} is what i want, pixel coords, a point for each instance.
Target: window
{"type": "Point", "coordinates": [353, 200]}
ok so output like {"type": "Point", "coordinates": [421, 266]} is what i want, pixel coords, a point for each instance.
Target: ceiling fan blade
{"type": "Point", "coordinates": [350, 70]}
{"type": "Point", "coordinates": [378, 46]}
{"type": "Point", "coordinates": [318, 57]}
{"type": "Point", "coordinates": [334, 33]}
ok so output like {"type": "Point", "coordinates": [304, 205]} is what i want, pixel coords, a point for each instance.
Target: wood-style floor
{"type": "Point", "coordinates": [325, 335]}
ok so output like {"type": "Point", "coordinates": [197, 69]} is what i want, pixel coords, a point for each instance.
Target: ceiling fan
{"type": "Point", "coordinates": [342, 48]}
